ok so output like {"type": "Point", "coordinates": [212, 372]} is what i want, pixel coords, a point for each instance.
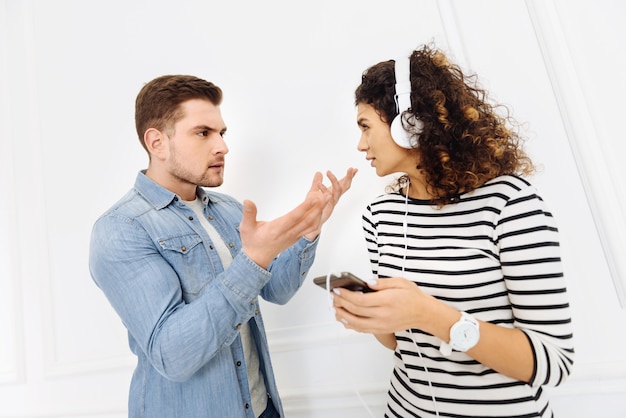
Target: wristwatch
{"type": "Point", "coordinates": [464, 335]}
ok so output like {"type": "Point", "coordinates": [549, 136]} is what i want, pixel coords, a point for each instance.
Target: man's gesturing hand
{"type": "Point", "coordinates": [336, 190]}
{"type": "Point", "coordinates": [264, 240]}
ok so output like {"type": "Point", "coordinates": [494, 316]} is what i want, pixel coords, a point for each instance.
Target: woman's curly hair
{"type": "Point", "coordinates": [464, 142]}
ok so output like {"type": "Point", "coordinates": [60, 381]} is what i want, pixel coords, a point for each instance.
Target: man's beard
{"type": "Point", "coordinates": [204, 180]}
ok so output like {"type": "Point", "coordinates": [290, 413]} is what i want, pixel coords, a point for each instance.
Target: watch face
{"type": "Point", "coordinates": [464, 336]}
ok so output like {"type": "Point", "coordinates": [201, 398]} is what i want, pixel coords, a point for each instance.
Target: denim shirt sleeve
{"type": "Point", "coordinates": [177, 336]}
{"type": "Point", "coordinates": [295, 260]}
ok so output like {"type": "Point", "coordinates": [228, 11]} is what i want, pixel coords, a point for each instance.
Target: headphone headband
{"type": "Point", "coordinates": [403, 85]}
{"type": "Point", "coordinates": [401, 136]}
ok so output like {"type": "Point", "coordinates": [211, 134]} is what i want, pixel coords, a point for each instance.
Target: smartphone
{"type": "Point", "coordinates": [346, 280]}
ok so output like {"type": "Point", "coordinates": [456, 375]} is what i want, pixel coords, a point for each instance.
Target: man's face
{"type": "Point", "coordinates": [196, 145]}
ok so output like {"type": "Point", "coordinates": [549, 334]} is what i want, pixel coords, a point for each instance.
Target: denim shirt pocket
{"type": "Point", "coordinates": [186, 255]}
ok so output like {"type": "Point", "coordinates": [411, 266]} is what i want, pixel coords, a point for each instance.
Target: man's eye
{"type": "Point", "coordinates": [204, 133]}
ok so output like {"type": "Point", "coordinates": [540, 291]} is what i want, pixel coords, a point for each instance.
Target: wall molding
{"type": "Point", "coordinates": [14, 373]}
{"type": "Point", "coordinates": [304, 337]}
{"type": "Point", "coordinates": [335, 398]}
{"type": "Point", "coordinates": [454, 39]}
{"type": "Point", "coordinates": [69, 413]}
{"type": "Point", "coordinates": [55, 370]}
{"type": "Point", "coordinates": [592, 165]}
{"type": "Point", "coordinates": [10, 377]}
{"type": "Point", "coordinates": [325, 334]}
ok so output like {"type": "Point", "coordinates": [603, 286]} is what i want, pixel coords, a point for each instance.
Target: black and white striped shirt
{"type": "Point", "coordinates": [495, 254]}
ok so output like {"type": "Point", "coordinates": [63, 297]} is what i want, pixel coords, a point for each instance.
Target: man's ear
{"type": "Point", "coordinates": [155, 143]}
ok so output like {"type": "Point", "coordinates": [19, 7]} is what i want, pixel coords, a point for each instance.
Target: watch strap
{"type": "Point", "coordinates": [445, 348]}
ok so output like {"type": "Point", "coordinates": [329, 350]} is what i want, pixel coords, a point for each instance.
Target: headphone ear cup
{"type": "Point", "coordinates": [401, 136]}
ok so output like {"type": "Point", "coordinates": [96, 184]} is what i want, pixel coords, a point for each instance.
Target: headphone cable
{"type": "Point", "coordinates": [405, 228]}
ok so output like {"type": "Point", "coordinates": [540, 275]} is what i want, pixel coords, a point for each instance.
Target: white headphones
{"type": "Point", "coordinates": [401, 136]}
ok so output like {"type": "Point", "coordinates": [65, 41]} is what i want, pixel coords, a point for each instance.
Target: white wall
{"type": "Point", "coordinates": [69, 74]}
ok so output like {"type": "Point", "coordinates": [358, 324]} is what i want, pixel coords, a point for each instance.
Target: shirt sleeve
{"type": "Point", "coordinates": [531, 265]}
{"type": "Point", "coordinates": [371, 242]}
{"type": "Point", "coordinates": [178, 338]}
{"type": "Point", "coordinates": [289, 270]}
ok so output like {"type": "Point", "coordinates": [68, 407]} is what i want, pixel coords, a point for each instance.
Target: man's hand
{"type": "Point", "coordinates": [336, 190]}
{"type": "Point", "coordinates": [262, 241]}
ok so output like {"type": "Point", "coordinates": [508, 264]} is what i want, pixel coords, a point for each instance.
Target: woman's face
{"type": "Point", "coordinates": [378, 145]}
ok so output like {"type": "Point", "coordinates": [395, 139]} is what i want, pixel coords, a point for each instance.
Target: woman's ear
{"type": "Point", "coordinates": [155, 143]}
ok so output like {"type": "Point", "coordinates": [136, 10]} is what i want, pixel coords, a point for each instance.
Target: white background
{"type": "Point", "coordinates": [69, 74]}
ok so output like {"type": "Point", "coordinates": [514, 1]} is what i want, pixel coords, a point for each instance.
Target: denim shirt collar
{"type": "Point", "coordinates": [158, 196]}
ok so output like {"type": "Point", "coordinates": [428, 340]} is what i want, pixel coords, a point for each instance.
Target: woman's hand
{"type": "Point", "coordinates": [398, 304]}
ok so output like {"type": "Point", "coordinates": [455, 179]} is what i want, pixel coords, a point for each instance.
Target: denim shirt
{"type": "Point", "coordinates": [163, 276]}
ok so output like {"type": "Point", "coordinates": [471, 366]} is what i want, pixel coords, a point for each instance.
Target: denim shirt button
{"type": "Point", "coordinates": [247, 406]}
{"type": "Point", "coordinates": [231, 245]}
{"type": "Point", "coordinates": [256, 311]}
{"type": "Point", "coordinates": [238, 326]}
{"type": "Point", "coordinates": [183, 248]}
{"type": "Point", "coordinates": [191, 218]}
{"type": "Point", "coordinates": [238, 364]}
{"type": "Point", "coordinates": [210, 217]}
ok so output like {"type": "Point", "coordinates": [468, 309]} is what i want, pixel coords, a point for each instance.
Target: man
{"type": "Point", "coordinates": [183, 266]}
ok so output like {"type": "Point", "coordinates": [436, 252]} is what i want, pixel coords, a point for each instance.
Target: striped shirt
{"type": "Point", "coordinates": [494, 254]}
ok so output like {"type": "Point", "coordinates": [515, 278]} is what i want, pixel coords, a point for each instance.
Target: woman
{"type": "Point", "coordinates": [473, 299]}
